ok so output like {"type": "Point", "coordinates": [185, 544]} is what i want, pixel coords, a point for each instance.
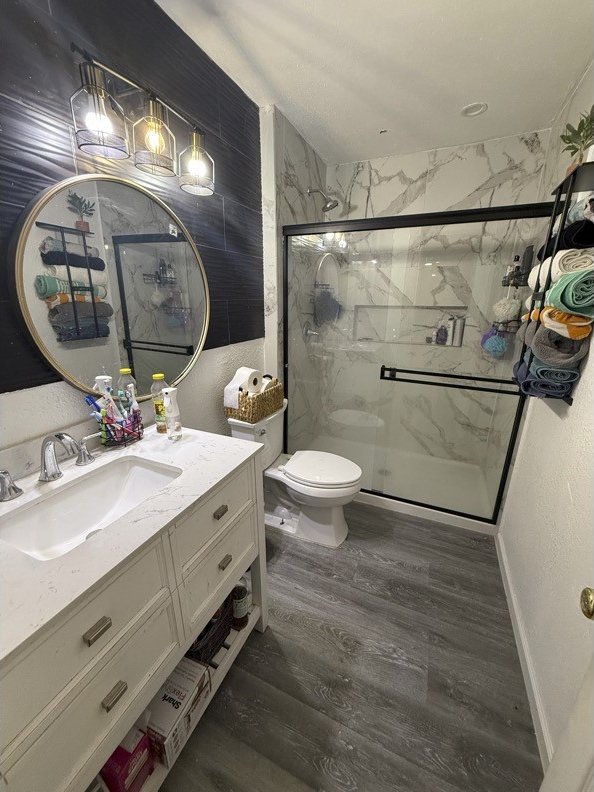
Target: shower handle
{"type": "Point", "coordinates": [308, 332]}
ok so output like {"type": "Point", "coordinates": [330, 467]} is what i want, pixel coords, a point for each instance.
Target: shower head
{"type": "Point", "coordinates": [329, 203]}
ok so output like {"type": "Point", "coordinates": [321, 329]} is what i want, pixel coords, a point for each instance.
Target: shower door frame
{"type": "Point", "coordinates": [448, 217]}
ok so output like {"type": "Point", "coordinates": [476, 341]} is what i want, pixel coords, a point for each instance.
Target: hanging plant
{"type": "Point", "coordinates": [81, 207]}
{"type": "Point", "coordinates": [578, 140]}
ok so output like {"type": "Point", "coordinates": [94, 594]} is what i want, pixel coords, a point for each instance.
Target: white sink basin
{"type": "Point", "coordinates": [57, 522]}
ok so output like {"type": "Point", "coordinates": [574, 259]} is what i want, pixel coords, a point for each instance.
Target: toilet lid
{"type": "Point", "coordinates": [319, 469]}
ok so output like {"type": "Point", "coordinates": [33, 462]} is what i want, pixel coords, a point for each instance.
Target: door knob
{"type": "Point", "coordinates": [587, 602]}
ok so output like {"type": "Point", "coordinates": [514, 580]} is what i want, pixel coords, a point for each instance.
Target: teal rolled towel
{"type": "Point", "coordinates": [573, 293]}
{"type": "Point", "coordinates": [551, 373]}
{"type": "Point", "coordinates": [48, 285]}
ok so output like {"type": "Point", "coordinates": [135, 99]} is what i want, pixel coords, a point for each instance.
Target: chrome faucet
{"type": "Point", "coordinates": [8, 489]}
{"type": "Point", "coordinates": [50, 470]}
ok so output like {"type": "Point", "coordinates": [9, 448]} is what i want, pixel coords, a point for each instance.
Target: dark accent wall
{"type": "Point", "coordinates": [38, 74]}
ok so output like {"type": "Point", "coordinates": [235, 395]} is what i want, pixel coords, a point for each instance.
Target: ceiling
{"type": "Point", "coordinates": [342, 70]}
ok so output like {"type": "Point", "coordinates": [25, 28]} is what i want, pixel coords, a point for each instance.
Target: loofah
{"type": "Point", "coordinates": [507, 309]}
{"type": "Point", "coordinates": [495, 345]}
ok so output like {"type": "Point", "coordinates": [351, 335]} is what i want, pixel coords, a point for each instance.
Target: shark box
{"type": "Point", "coordinates": [176, 708]}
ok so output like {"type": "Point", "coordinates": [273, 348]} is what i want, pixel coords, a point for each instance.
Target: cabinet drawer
{"type": "Point", "coordinates": [209, 519]}
{"type": "Point", "coordinates": [74, 736]}
{"type": "Point", "coordinates": [49, 665]}
{"type": "Point", "coordinates": [236, 549]}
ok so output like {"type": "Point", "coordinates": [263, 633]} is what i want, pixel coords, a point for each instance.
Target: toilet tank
{"type": "Point", "coordinates": [268, 431]}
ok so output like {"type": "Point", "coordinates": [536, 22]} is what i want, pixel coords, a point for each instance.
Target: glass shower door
{"type": "Point", "coordinates": [418, 301]}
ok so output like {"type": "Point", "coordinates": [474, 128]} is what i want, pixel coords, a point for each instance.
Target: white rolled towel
{"type": "Point", "coordinates": [78, 274]}
{"type": "Point", "coordinates": [244, 379]}
{"type": "Point", "coordinates": [543, 270]}
{"type": "Point", "coordinates": [569, 261]}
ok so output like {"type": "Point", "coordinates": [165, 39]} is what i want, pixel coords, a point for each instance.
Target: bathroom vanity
{"type": "Point", "coordinates": [95, 617]}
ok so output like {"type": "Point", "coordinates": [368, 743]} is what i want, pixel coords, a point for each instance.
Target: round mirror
{"type": "Point", "coordinates": [107, 277]}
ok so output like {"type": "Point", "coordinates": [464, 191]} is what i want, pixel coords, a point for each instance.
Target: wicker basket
{"type": "Point", "coordinates": [213, 636]}
{"type": "Point", "coordinates": [253, 408]}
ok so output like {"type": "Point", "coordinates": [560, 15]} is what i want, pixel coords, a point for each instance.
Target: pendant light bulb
{"type": "Point", "coordinates": [196, 167]}
{"type": "Point", "coordinates": [100, 126]}
{"type": "Point", "coordinates": [154, 143]}
{"type": "Point", "coordinates": [154, 140]}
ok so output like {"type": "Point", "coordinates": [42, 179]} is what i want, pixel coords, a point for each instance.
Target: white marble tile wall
{"type": "Point", "coordinates": [289, 166]}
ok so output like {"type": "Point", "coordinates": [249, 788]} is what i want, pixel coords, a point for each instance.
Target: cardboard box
{"type": "Point", "coordinates": [176, 707]}
{"type": "Point", "coordinates": [130, 764]}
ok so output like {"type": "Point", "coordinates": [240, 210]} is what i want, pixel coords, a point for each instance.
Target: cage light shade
{"type": "Point", "coordinates": [154, 142]}
{"type": "Point", "coordinates": [196, 167]}
{"type": "Point", "coordinates": [100, 125]}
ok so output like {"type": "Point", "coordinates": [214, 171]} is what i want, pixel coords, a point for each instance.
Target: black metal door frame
{"type": "Point", "coordinates": [489, 214]}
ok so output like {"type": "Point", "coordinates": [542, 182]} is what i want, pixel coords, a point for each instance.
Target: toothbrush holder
{"type": "Point", "coordinates": [129, 431]}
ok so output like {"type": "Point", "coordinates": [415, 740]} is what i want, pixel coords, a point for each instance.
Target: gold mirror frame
{"type": "Point", "coordinates": [16, 253]}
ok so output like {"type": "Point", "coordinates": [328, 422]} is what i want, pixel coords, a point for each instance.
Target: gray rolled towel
{"type": "Point", "coordinates": [552, 348]}
{"type": "Point", "coordinates": [65, 312]}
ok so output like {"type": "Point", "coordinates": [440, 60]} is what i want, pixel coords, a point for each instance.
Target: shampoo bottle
{"type": "Point", "coordinates": [172, 415]}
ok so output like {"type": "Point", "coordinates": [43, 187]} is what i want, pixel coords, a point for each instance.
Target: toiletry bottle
{"type": "Point", "coordinates": [241, 604]}
{"type": "Point", "coordinates": [157, 397]}
{"type": "Point", "coordinates": [124, 382]}
{"type": "Point", "coordinates": [172, 415]}
{"type": "Point", "coordinates": [102, 384]}
{"type": "Point", "coordinates": [450, 329]}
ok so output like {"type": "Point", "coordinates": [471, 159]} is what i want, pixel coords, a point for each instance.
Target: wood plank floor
{"type": "Point", "coordinates": [389, 664]}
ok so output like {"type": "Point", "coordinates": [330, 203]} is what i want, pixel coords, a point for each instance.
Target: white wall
{"type": "Point", "coordinates": [27, 415]}
{"type": "Point", "coordinates": [546, 539]}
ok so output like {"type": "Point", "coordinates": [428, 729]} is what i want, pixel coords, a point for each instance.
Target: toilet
{"type": "Point", "coordinates": [304, 493]}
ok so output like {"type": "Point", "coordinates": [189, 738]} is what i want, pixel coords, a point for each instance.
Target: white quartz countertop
{"type": "Point", "coordinates": [35, 592]}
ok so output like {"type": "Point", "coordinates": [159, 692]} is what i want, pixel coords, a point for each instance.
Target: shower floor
{"type": "Point", "coordinates": [444, 483]}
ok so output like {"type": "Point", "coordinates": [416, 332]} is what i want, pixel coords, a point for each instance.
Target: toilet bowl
{"type": "Point", "coordinates": [304, 493]}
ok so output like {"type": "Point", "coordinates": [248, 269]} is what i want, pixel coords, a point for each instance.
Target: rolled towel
{"type": "Point", "coordinates": [65, 312]}
{"type": "Point", "coordinates": [541, 388]}
{"type": "Point", "coordinates": [538, 275]}
{"type": "Point", "coordinates": [550, 347]}
{"type": "Point", "coordinates": [573, 293]}
{"type": "Point", "coordinates": [57, 258]}
{"type": "Point", "coordinates": [575, 235]}
{"type": "Point", "coordinates": [570, 261]}
{"type": "Point", "coordinates": [61, 297]}
{"type": "Point", "coordinates": [85, 333]}
{"type": "Point", "coordinates": [552, 373]}
{"type": "Point", "coordinates": [48, 285]}
{"type": "Point", "coordinates": [566, 324]}
{"type": "Point", "coordinates": [49, 243]}
{"type": "Point", "coordinates": [99, 277]}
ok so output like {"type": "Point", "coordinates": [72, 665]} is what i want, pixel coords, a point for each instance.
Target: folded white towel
{"type": "Point", "coordinates": [78, 274]}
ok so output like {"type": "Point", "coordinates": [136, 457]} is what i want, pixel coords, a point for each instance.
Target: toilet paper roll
{"type": "Point", "coordinates": [245, 379]}
{"type": "Point", "coordinates": [267, 382]}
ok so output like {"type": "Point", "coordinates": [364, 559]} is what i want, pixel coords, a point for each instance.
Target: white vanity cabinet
{"type": "Point", "coordinates": [74, 689]}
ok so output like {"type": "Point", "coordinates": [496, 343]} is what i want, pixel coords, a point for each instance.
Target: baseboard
{"type": "Point", "coordinates": [541, 728]}
{"type": "Point", "coordinates": [427, 514]}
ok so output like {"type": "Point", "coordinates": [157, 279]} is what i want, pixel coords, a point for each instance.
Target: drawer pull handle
{"type": "Point", "coordinates": [226, 561]}
{"type": "Point", "coordinates": [221, 511]}
{"type": "Point", "coordinates": [97, 630]}
{"type": "Point", "coordinates": [114, 695]}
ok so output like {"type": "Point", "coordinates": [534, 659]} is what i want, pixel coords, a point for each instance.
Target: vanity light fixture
{"type": "Point", "coordinates": [154, 142]}
{"type": "Point", "coordinates": [100, 126]}
{"type": "Point", "coordinates": [196, 167]}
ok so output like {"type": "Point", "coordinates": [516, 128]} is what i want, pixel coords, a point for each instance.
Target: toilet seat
{"type": "Point", "coordinates": [320, 469]}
